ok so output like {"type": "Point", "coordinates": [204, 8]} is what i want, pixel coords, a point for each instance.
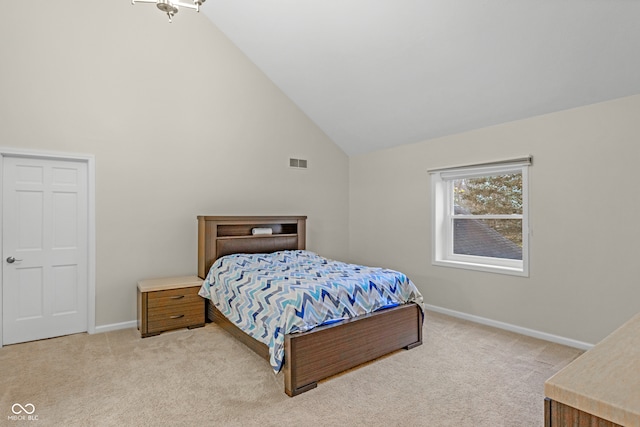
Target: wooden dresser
{"type": "Point", "coordinates": [169, 303]}
{"type": "Point", "coordinates": [600, 388]}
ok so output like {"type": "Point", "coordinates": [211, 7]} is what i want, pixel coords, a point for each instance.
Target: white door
{"type": "Point", "coordinates": [44, 248]}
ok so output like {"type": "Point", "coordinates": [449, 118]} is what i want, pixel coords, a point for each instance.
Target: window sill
{"type": "Point", "coordinates": [512, 271]}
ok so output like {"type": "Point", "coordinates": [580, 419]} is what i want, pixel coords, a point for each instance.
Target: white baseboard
{"type": "Point", "coordinates": [512, 328]}
{"type": "Point", "coordinates": [116, 326]}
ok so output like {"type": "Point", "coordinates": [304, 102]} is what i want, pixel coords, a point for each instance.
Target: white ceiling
{"type": "Point", "coordinates": [380, 73]}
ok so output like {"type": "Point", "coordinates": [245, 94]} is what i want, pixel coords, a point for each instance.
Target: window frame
{"type": "Point", "coordinates": [443, 218]}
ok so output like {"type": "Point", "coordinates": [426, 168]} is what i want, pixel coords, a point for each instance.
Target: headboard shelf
{"type": "Point", "coordinates": [233, 230]}
{"type": "Point", "coordinates": [258, 236]}
{"type": "Point", "coordinates": [224, 235]}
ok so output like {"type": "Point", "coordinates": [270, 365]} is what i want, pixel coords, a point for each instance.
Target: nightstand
{"type": "Point", "coordinates": [169, 303]}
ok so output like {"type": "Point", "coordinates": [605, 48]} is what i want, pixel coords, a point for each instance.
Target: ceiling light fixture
{"type": "Point", "coordinates": [171, 7]}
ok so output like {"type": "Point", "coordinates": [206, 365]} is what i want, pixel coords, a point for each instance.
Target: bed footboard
{"type": "Point", "coordinates": [328, 350]}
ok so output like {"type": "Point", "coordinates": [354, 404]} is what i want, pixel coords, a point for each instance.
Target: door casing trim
{"type": "Point", "coordinates": [89, 159]}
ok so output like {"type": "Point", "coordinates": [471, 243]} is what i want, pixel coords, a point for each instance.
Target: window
{"type": "Point", "coordinates": [480, 217]}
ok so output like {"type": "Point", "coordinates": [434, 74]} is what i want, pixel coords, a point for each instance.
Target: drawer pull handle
{"type": "Point", "coordinates": [177, 317]}
{"type": "Point", "coordinates": [177, 297]}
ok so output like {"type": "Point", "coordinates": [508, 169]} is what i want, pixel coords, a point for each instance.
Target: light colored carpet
{"type": "Point", "coordinates": [464, 374]}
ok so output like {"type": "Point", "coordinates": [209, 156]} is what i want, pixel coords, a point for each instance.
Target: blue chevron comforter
{"type": "Point", "coordinates": [270, 295]}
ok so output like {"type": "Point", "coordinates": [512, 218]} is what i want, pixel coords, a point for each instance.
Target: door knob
{"type": "Point", "coordinates": [11, 260]}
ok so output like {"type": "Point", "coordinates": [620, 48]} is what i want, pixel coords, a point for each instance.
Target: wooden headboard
{"type": "Point", "coordinates": [224, 235]}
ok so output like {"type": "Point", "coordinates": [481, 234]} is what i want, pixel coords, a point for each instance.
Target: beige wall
{"type": "Point", "coordinates": [584, 204]}
{"type": "Point", "coordinates": [180, 123]}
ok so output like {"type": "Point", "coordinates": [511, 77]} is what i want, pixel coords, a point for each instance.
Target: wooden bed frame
{"type": "Point", "coordinates": [326, 350]}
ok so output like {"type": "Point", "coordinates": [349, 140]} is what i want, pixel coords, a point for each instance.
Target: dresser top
{"type": "Point", "coordinates": [164, 283]}
{"type": "Point", "coordinates": [604, 381]}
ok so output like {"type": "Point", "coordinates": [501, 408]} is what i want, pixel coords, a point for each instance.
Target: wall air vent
{"type": "Point", "coordinates": [298, 163]}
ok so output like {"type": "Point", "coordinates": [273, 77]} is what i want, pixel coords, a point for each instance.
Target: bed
{"type": "Point", "coordinates": [323, 351]}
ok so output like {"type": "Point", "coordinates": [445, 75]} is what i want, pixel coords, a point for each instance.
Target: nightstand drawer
{"type": "Point", "coordinates": [173, 297]}
{"type": "Point", "coordinates": [175, 311]}
{"type": "Point", "coordinates": [163, 319]}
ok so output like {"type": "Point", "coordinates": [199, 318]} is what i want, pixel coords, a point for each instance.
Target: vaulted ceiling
{"type": "Point", "coordinates": [379, 73]}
